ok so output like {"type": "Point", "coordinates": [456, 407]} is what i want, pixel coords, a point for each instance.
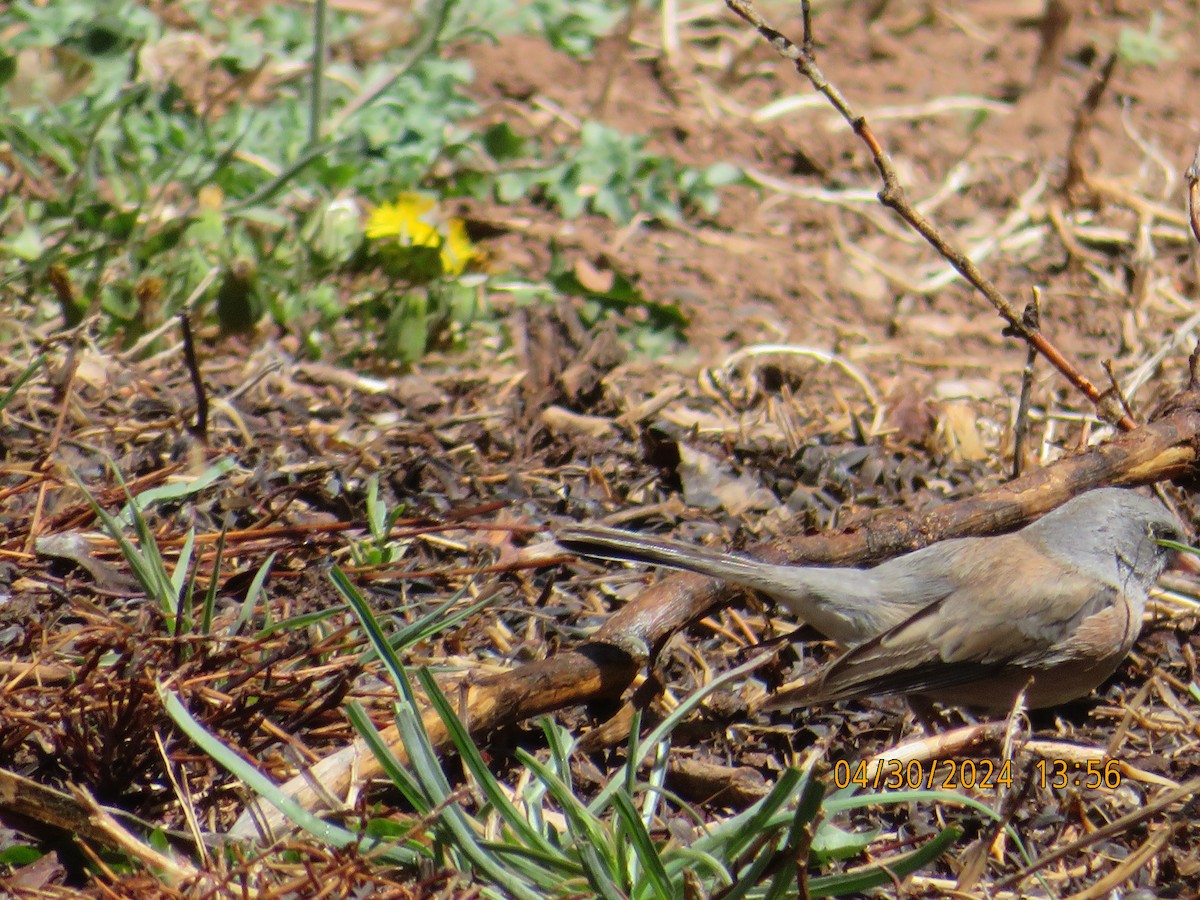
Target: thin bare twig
{"type": "Point", "coordinates": [893, 196]}
{"type": "Point", "coordinates": [1114, 393]}
{"type": "Point", "coordinates": [1021, 425]}
{"type": "Point", "coordinates": [200, 427]}
{"type": "Point", "coordinates": [1193, 179]}
{"type": "Point", "coordinates": [1076, 180]}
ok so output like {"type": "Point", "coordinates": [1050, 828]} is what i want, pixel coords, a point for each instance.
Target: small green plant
{"type": "Point", "coordinates": [573, 28]}
{"type": "Point", "coordinates": [159, 200]}
{"type": "Point", "coordinates": [1146, 48]}
{"type": "Point", "coordinates": [607, 173]}
{"type": "Point", "coordinates": [246, 201]}
{"type": "Point", "coordinates": [380, 549]}
{"type": "Point", "coordinates": [172, 590]}
{"type": "Point", "coordinates": [550, 841]}
{"type": "Point", "coordinates": [424, 254]}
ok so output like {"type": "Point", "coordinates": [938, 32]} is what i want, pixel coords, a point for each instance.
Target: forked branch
{"type": "Point", "coordinates": [893, 196]}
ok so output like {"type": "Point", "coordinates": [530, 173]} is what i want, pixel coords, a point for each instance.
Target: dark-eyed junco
{"type": "Point", "coordinates": [971, 621]}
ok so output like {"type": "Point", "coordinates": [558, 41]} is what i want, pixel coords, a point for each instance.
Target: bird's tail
{"type": "Point", "coordinates": [627, 546]}
{"type": "Point", "coordinates": [844, 604]}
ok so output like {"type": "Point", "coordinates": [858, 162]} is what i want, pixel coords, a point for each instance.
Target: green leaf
{"type": "Point", "coordinates": [830, 842]}
{"type": "Point", "coordinates": [503, 144]}
{"type": "Point", "coordinates": [883, 871]}
{"type": "Point", "coordinates": [175, 490]}
{"type": "Point", "coordinates": [1145, 48]}
{"type": "Point", "coordinates": [27, 244]}
{"type": "Point", "coordinates": [512, 186]}
{"type": "Point", "coordinates": [407, 332]}
{"type": "Point", "coordinates": [622, 295]}
{"type": "Point", "coordinates": [723, 173]}
{"type": "Point", "coordinates": [8, 68]}
{"type": "Point", "coordinates": [19, 855]}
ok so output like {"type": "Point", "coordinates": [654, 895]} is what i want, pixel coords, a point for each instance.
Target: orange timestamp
{"type": "Point", "coordinates": [974, 774]}
{"type": "Point", "coordinates": [917, 774]}
{"type": "Point", "coordinates": [1091, 774]}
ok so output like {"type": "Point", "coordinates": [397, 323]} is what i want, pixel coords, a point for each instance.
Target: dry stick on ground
{"type": "Point", "coordinates": [1021, 422]}
{"type": "Point", "coordinates": [78, 814]}
{"type": "Point", "coordinates": [893, 196]}
{"type": "Point", "coordinates": [1076, 183]}
{"type": "Point", "coordinates": [1193, 180]}
{"type": "Point", "coordinates": [1056, 22]}
{"type": "Point", "coordinates": [604, 667]}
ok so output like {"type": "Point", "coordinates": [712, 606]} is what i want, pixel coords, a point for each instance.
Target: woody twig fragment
{"type": "Point", "coordinates": [893, 196]}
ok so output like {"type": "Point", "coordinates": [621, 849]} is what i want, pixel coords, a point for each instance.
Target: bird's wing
{"type": "Point", "coordinates": [966, 636]}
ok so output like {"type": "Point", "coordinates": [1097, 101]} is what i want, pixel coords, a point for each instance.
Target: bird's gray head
{"type": "Point", "coordinates": [1111, 533]}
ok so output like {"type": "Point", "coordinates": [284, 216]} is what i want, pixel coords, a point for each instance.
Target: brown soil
{"type": "Point", "coordinates": [551, 422]}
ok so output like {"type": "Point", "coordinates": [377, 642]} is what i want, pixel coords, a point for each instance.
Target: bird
{"type": "Point", "coordinates": [1051, 609]}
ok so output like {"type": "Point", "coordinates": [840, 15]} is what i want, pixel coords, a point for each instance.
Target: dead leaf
{"type": "Point", "coordinates": [909, 414]}
{"type": "Point", "coordinates": [709, 484]}
{"type": "Point", "coordinates": [957, 432]}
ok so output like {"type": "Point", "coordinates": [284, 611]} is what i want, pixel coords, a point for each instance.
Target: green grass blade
{"type": "Point", "coordinates": [460, 832]}
{"type": "Point", "coordinates": [28, 372]}
{"type": "Point", "coordinates": [885, 871]}
{"type": "Point", "coordinates": [644, 852]}
{"type": "Point", "coordinates": [143, 558]}
{"type": "Point", "coordinates": [441, 619]}
{"type": "Point", "coordinates": [210, 595]}
{"type": "Point", "coordinates": [478, 768]}
{"type": "Point", "coordinates": [253, 593]}
{"type": "Point", "coordinates": [375, 635]}
{"type": "Point", "coordinates": [731, 838]}
{"type": "Point", "coordinates": [392, 767]}
{"type": "Point", "coordinates": [671, 722]}
{"type": "Point", "coordinates": [333, 835]}
{"type": "Point", "coordinates": [770, 841]}
{"type": "Point", "coordinates": [303, 620]}
{"type": "Point", "coordinates": [591, 840]}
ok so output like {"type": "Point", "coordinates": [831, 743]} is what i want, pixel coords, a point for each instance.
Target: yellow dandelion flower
{"type": "Point", "coordinates": [414, 220]}
{"type": "Point", "coordinates": [457, 250]}
{"type": "Point", "coordinates": [406, 221]}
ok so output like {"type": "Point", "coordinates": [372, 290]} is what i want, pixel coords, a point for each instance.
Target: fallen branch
{"type": "Point", "coordinates": [604, 667]}
{"type": "Point", "coordinates": [78, 815]}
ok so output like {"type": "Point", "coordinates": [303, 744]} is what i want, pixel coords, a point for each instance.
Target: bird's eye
{"type": "Point", "coordinates": [1164, 532]}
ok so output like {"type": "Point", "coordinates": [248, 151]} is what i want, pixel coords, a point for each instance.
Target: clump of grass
{"type": "Point", "coordinates": [546, 838]}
